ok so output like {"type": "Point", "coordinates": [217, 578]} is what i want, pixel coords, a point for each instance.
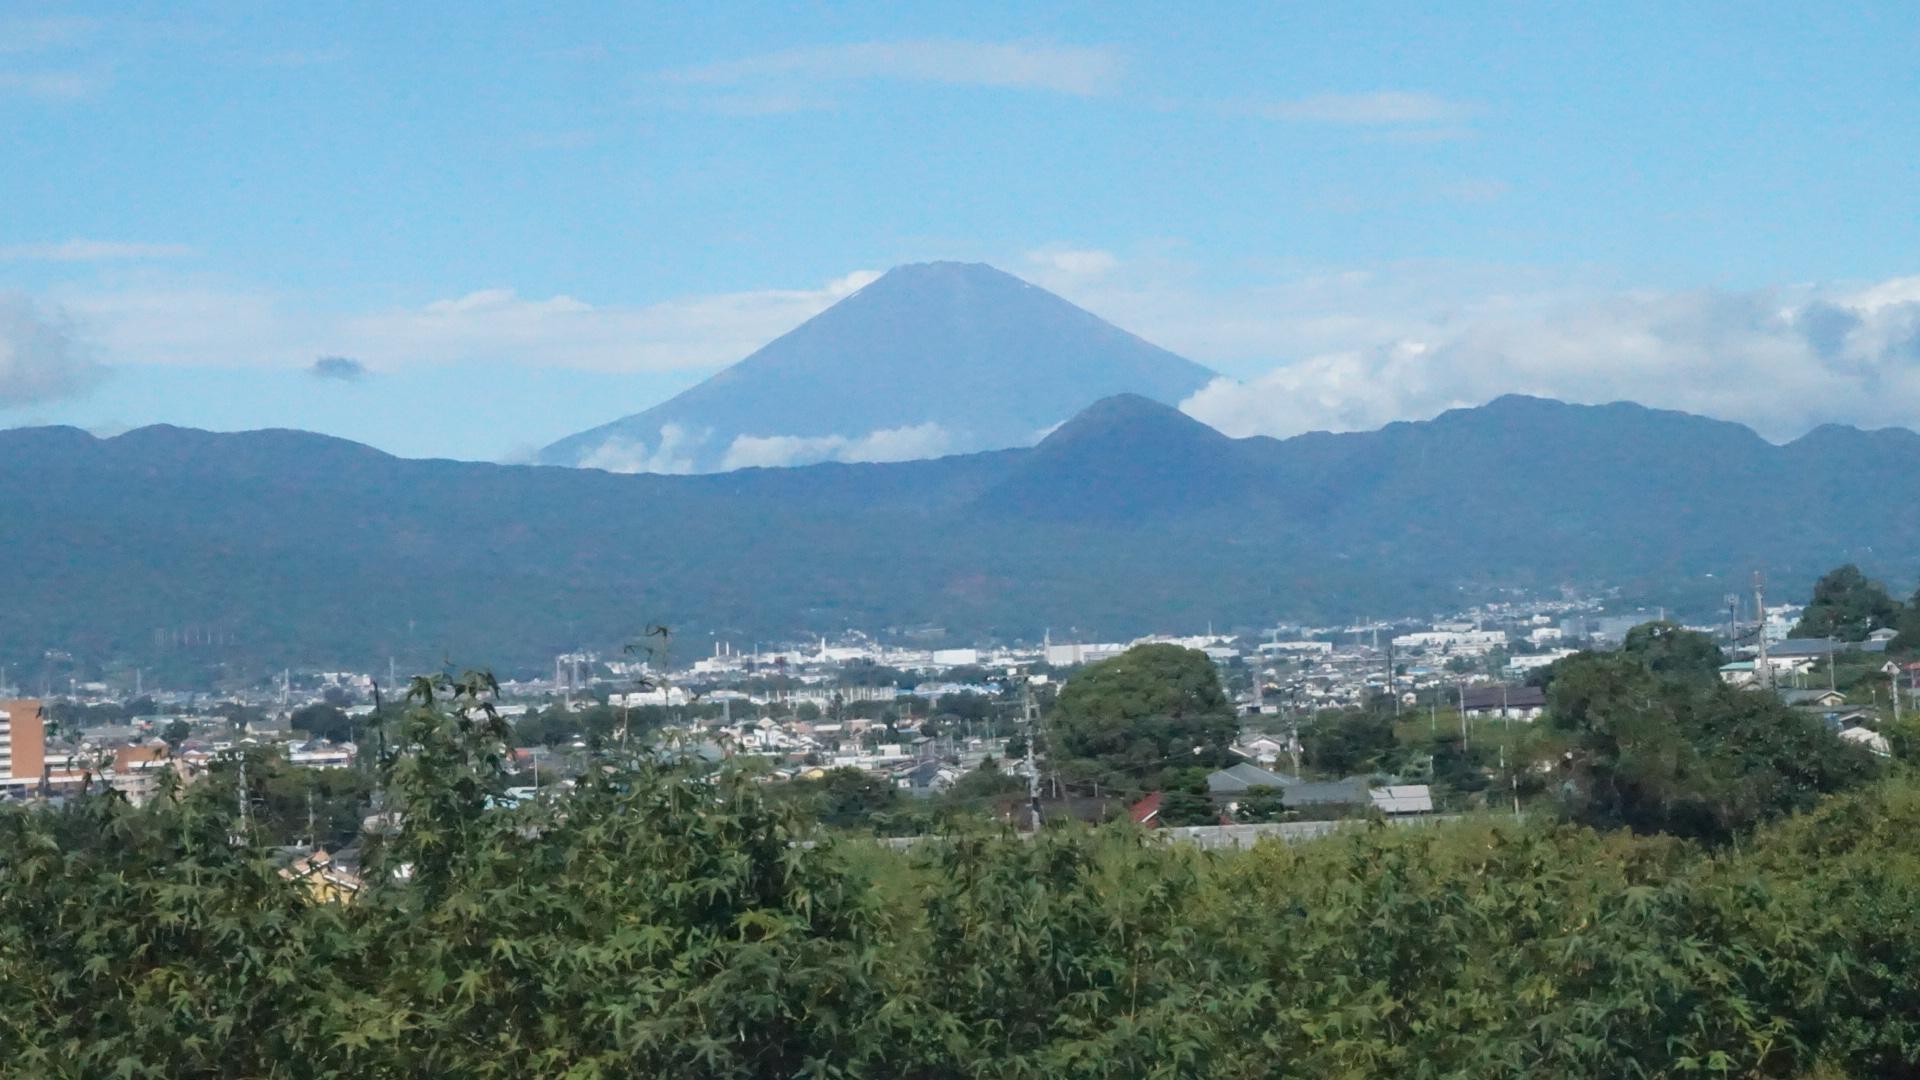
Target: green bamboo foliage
{"type": "Point", "coordinates": [669, 920]}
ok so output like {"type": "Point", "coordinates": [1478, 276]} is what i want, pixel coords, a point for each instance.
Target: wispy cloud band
{"type": "Point", "coordinates": [44, 32]}
{"type": "Point", "coordinates": [52, 85]}
{"type": "Point", "coordinates": [1377, 108]}
{"type": "Point", "coordinates": [1066, 69]}
{"type": "Point", "coordinates": [79, 250]}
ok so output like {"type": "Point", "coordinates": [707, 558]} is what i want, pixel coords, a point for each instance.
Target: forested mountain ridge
{"type": "Point", "coordinates": [289, 547]}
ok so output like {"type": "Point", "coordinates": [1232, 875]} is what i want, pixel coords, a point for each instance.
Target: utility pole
{"type": "Point", "coordinates": [1033, 771]}
{"type": "Point", "coordinates": [1762, 671]}
{"type": "Point", "coordinates": [1513, 785]}
{"type": "Point", "coordinates": [1392, 690]}
{"type": "Point", "coordinates": [1462, 687]}
{"type": "Point", "coordinates": [240, 835]}
{"type": "Point", "coordinates": [1506, 735]}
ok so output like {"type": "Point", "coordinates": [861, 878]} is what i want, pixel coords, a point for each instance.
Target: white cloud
{"type": "Point", "coordinates": [79, 250]}
{"type": "Point", "coordinates": [750, 103]}
{"type": "Point", "coordinates": [1073, 263]}
{"type": "Point", "coordinates": [193, 325]}
{"type": "Point", "coordinates": [899, 444]}
{"type": "Point", "coordinates": [40, 360]}
{"type": "Point", "coordinates": [48, 78]}
{"type": "Point", "coordinates": [501, 325]}
{"type": "Point", "coordinates": [676, 453]}
{"type": "Point", "coordinates": [1288, 311]}
{"type": "Point", "coordinates": [185, 324]}
{"type": "Point", "coordinates": [885, 444]}
{"type": "Point", "coordinates": [1780, 360]}
{"type": "Point", "coordinates": [303, 58]}
{"type": "Point", "coordinates": [1376, 108]}
{"type": "Point", "coordinates": [53, 85]}
{"type": "Point", "coordinates": [568, 139]}
{"type": "Point", "coordinates": [1482, 190]}
{"type": "Point", "coordinates": [1898, 291]}
{"type": "Point", "coordinates": [1067, 69]}
{"type": "Point", "coordinates": [683, 450]}
{"type": "Point", "coordinates": [1314, 348]}
{"type": "Point", "coordinates": [45, 32]}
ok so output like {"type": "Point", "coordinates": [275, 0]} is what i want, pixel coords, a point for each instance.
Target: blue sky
{"type": "Point", "coordinates": [520, 223]}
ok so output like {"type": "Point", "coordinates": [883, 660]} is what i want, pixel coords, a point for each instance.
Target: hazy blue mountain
{"type": "Point", "coordinates": [930, 359]}
{"type": "Point", "coordinates": [177, 547]}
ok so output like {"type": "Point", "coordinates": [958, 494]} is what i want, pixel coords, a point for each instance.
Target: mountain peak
{"type": "Point", "coordinates": [1135, 419]}
{"type": "Point", "coordinates": [928, 359]}
{"type": "Point", "coordinates": [947, 269]}
{"type": "Point", "coordinates": [1126, 456]}
{"type": "Point", "coordinates": [930, 286]}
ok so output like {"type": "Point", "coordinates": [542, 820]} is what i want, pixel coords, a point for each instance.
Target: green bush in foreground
{"type": "Point", "coordinates": [663, 921]}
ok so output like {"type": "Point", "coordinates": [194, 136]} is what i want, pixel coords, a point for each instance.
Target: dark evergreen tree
{"type": "Point", "coordinates": [1846, 606]}
{"type": "Point", "coordinates": [1127, 720]}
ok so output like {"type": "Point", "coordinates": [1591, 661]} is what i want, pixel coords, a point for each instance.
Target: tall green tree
{"type": "Point", "coordinates": [1344, 743]}
{"type": "Point", "coordinates": [1908, 640]}
{"type": "Point", "coordinates": [1665, 753]}
{"type": "Point", "coordinates": [1127, 720]}
{"type": "Point", "coordinates": [1669, 649]}
{"type": "Point", "coordinates": [323, 721]}
{"type": "Point", "coordinates": [1847, 606]}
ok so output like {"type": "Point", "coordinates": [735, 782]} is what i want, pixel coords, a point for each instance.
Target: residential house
{"type": "Point", "coordinates": [1875, 742]}
{"type": "Point", "coordinates": [1804, 649]}
{"type": "Point", "coordinates": [1510, 702]}
{"type": "Point", "coordinates": [1265, 749]}
{"type": "Point", "coordinates": [1147, 810]}
{"type": "Point", "coordinates": [1399, 799]}
{"type": "Point", "coordinates": [1813, 699]}
{"type": "Point", "coordinates": [327, 880]}
{"type": "Point", "coordinates": [1241, 778]}
{"type": "Point", "coordinates": [1351, 791]}
{"type": "Point", "coordinates": [926, 779]}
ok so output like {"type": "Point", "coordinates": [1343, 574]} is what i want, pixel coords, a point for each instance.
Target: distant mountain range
{"type": "Point", "coordinates": [176, 546]}
{"type": "Point", "coordinates": [930, 359]}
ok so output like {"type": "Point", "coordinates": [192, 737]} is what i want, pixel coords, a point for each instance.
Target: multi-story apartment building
{"type": "Point", "coordinates": [23, 746]}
